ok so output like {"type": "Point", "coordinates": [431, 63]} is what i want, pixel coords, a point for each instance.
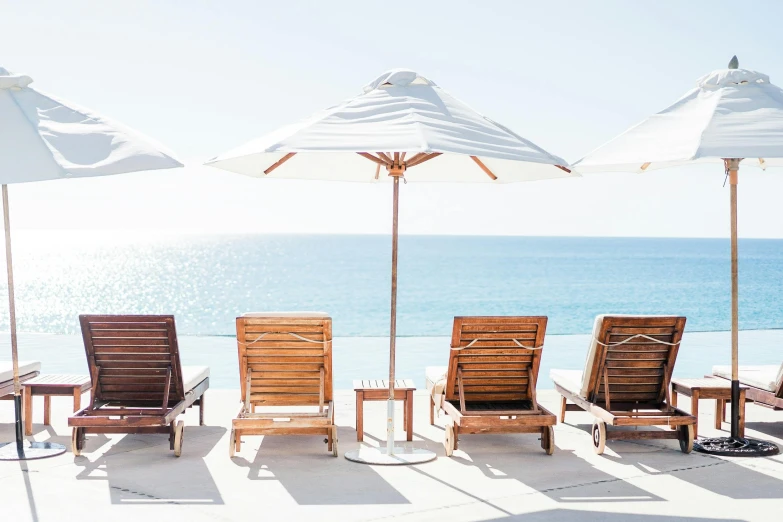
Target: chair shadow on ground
{"type": "Point", "coordinates": [727, 476]}
{"type": "Point", "coordinates": [568, 515]}
{"type": "Point", "coordinates": [311, 475]}
{"type": "Point", "coordinates": [142, 469]}
{"type": "Point", "coordinates": [564, 477]}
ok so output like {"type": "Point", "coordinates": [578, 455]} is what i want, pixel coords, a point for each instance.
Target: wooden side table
{"type": "Point", "coordinates": [709, 388]}
{"type": "Point", "coordinates": [378, 390]}
{"type": "Point", "coordinates": [48, 385]}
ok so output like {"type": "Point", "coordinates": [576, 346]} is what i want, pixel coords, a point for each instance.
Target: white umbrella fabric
{"type": "Point", "coordinates": [46, 138]}
{"type": "Point", "coordinates": [403, 126]}
{"type": "Point", "coordinates": [732, 115]}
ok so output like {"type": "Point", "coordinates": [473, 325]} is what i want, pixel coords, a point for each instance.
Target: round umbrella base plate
{"type": "Point", "coordinates": [736, 447]}
{"type": "Point", "coordinates": [399, 457]}
{"type": "Point", "coordinates": [30, 450]}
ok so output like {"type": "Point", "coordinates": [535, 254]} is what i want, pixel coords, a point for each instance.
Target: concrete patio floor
{"type": "Point", "coordinates": [491, 477]}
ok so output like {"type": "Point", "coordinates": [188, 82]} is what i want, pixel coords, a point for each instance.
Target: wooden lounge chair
{"type": "Point", "coordinates": [138, 383]}
{"type": "Point", "coordinates": [765, 383]}
{"type": "Point", "coordinates": [285, 368]}
{"type": "Point", "coordinates": [490, 383]}
{"type": "Point", "coordinates": [626, 380]}
{"type": "Point", "coordinates": [27, 370]}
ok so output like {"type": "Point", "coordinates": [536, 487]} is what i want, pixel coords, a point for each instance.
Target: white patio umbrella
{"type": "Point", "coordinates": [46, 138]}
{"type": "Point", "coordinates": [401, 121]}
{"type": "Point", "coordinates": [732, 115]}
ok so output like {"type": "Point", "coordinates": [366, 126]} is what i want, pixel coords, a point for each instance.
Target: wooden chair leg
{"type": "Point", "coordinates": [238, 446]}
{"type": "Point", "coordinates": [456, 436]}
{"type": "Point", "coordinates": [432, 410]}
{"type": "Point", "coordinates": [562, 409]}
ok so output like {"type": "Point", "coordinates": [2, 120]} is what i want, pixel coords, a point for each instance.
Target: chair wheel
{"type": "Point", "coordinates": [686, 438]}
{"type": "Point", "coordinates": [77, 441]}
{"type": "Point", "coordinates": [548, 439]}
{"type": "Point", "coordinates": [179, 434]}
{"type": "Point", "coordinates": [599, 436]}
{"type": "Point", "coordinates": [448, 441]}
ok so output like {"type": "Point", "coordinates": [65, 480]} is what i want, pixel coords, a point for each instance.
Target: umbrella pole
{"type": "Point", "coordinates": [12, 318]}
{"type": "Point", "coordinates": [733, 168]}
{"type": "Point", "coordinates": [393, 324]}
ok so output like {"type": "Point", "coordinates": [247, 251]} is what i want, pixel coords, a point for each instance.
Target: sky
{"type": "Point", "coordinates": [204, 77]}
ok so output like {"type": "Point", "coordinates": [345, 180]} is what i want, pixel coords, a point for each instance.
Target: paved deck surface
{"type": "Point", "coordinates": [492, 477]}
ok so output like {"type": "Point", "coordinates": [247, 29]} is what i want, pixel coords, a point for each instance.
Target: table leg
{"type": "Point", "coordinates": [47, 409]}
{"type": "Point", "coordinates": [409, 409]}
{"type": "Point", "coordinates": [27, 410]}
{"type": "Point", "coordinates": [695, 411]}
{"type": "Point", "coordinates": [673, 398]}
{"type": "Point", "coordinates": [720, 408]}
{"type": "Point", "coordinates": [77, 399]}
{"type": "Point", "coordinates": [359, 416]}
{"type": "Point", "coordinates": [741, 427]}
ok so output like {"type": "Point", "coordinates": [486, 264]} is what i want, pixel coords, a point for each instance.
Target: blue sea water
{"type": "Point", "coordinates": [207, 281]}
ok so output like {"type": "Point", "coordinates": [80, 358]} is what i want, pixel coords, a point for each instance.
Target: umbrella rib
{"type": "Point", "coordinates": [484, 168]}
{"type": "Point", "coordinates": [279, 162]}
{"type": "Point", "coordinates": [420, 158]}
{"type": "Point", "coordinates": [385, 157]}
{"type": "Point", "coordinates": [370, 157]}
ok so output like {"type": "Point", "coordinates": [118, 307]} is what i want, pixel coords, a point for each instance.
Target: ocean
{"type": "Point", "coordinates": [206, 281]}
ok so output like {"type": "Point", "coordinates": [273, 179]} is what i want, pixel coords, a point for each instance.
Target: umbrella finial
{"type": "Point", "coordinates": [734, 63]}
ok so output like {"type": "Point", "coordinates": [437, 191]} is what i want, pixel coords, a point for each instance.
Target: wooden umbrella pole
{"type": "Point", "coordinates": [393, 324]}
{"type": "Point", "coordinates": [732, 165]}
{"type": "Point", "coordinates": [12, 318]}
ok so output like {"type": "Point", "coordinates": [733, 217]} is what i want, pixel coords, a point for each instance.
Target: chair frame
{"type": "Point", "coordinates": [648, 411]}
{"type": "Point", "coordinates": [761, 396]}
{"type": "Point", "coordinates": [277, 364]}
{"type": "Point", "coordinates": [139, 412]}
{"type": "Point", "coordinates": [508, 355]}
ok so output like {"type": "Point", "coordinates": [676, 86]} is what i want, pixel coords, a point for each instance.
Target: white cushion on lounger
{"type": "Point", "coordinates": [193, 375]}
{"type": "Point", "coordinates": [433, 375]}
{"type": "Point", "coordinates": [285, 314]}
{"type": "Point", "coordinates": [765, 377]}
{"type": "Point", "coordinates": [25, 367]}
{"type": "Point", "coordinates": [571, 380]}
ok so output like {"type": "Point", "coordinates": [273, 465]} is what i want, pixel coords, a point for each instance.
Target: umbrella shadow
{"type": "Point", "coordinates": [312, 476]}
{"type": "Point", "coordinates": [140, 469]}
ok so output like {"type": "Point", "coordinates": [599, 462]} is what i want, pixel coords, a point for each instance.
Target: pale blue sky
{"type": "Point", "coordinates": [203, 77]}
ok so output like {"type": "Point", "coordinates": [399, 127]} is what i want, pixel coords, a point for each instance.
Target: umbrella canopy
{"type": "Point", "coordinates": [400, 111]}
{"type": "Point", "coordinates": [46, 138]}
{"type": "Point", "coordinates": [731, 113]}
{"type": "Point", "coordinates": [43, 138]}
{"type": "Point", "coordinates": [410, 128]}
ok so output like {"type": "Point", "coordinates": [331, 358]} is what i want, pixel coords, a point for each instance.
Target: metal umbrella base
{"type": "Point", "coordinates": [399, 457]}
{"type": "Point", "coordinates": [736, 447]}
{"type": "Point", "coordinates": [30, 450]}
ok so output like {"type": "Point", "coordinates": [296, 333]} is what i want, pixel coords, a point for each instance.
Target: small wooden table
{"type": "Point", "coordinates": [378, 390]}
{"type": "Point", "coordinates": [48, 385]}
{"type": "Point", "coordinates": [709, 388]}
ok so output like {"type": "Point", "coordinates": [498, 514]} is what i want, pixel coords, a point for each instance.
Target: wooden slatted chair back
{"type": "Point", "coordinates": [635, 356]}
{"type": "Point", "coordinates": [289, 357]}
{"type": "Point", "coordinates": [129, 357]}
{"type": "Point", "coordinates": [497, 357]}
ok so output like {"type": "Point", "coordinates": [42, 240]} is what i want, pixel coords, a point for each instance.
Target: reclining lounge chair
{"type": "Point", "coordinates": [490, 383]}
{"type": "Point", "coordinates": [138, 383]}
{"type": "Point", "coordinates": [626, 379]}
{"type": "Point", "coordinates": [765, 383]}
{"type": "Point", "coordinates": [285, 368]}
